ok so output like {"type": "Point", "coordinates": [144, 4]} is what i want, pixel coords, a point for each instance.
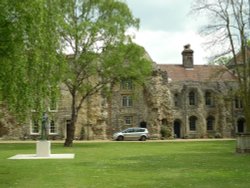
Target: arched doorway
{"type": "Point", "coordinates": [177, 129]}
{"type": "Point", "coordinates": [143, 124]}
{"type": "Point", "coordinates": [240, 125]}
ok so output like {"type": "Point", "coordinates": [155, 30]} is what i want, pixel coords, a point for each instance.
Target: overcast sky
{"type": "Point", "coordinates": [165, 27]}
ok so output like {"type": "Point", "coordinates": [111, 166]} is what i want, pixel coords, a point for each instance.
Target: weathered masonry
{"type": "Point", "coordinates": [178, 101]}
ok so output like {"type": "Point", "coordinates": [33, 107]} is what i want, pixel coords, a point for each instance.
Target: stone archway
{"type": "Point", "coordinates": [143, 124]}
{"type": "Point", "coordinates": [177, 129]}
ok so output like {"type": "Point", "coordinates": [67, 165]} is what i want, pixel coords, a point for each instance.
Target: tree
{"type": "Point", "coordinates": [29, 54]}
{"type": "Point", "coordinates": [94, 32]}
{"type": "Point", "coordinates": [228, 30]}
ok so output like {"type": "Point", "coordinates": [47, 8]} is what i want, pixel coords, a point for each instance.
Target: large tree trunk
{"type": "Point", "coordinates": [70, 134]}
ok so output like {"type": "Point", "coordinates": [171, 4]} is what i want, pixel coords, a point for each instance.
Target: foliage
{"type": "Point", "coordinates": [33, 35]}
{"type": "Point", "coordinates": [141, 164]}
{"type": "Point", "coordinates": [94, 32]}
{"type": "Point", "coordinates": [166, 132]}
{"type": "Point", "coordinates": [227, 32]}
{"type": "Point", "coordinates": [29, 54]}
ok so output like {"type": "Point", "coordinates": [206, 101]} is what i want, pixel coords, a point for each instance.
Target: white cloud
{"type": "Point", "coordinates": [166, 47]}
{"type": "Point", "coordinates": [166, 28]}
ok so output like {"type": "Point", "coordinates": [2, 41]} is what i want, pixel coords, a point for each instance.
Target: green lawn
{"type": "Point", "coordinates": [128, 164]}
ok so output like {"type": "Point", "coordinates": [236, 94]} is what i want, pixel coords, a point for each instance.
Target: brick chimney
{"type": "Point", "coordinates": [187, 57]}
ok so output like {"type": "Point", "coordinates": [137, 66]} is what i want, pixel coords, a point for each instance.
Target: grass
{"type": "Point", "coordinates": [128, 164]}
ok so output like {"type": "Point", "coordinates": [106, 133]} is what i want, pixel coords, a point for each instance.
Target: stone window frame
{"type": "Point", "coordinates": [127, 84]}
{"type": "Point", "coordinates": [35, 127]}
{"type": "Point", "coordinates": [128, 120]}
{"type": "Point", "coordinates": [53, 129]}
{"type": "Point", "coordinates": [52, 102]}
{"type": "Point", "coordinates": [127, 101]}
{"type": "Point", "coordinates": [192, 98]}
{"type": "Point", "coordinates": [210, 122]}
{"type": "Point", "coordinates": [209, 101]}
{"type": "Point", "coordinates": [238, 103]}
{"type": "Point", "coordinates": [192, 120]}
{"type": "Point", "coordinates": [177, 100]}
{"type": "Point", "coordinates": [53, 106]}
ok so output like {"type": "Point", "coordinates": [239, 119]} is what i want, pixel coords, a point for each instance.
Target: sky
{"type": "Point", "coordinates": [165, 27]}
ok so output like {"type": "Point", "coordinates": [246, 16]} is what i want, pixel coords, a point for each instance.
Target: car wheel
{"type": "Point", "coordinates": [143, 138]}
{"type": "Point", "coordinates": [120, 138]}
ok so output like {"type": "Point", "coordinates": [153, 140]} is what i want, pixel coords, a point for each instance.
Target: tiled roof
{"type": "Point", "coordinates": [197, 73]}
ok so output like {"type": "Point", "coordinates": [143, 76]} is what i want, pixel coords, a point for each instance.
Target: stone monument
{"type": "Point", "coordinates": [43, 145]}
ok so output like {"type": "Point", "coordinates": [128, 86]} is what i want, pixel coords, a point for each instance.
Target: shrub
{"type": "Point", "coordinates": [166, 132]}
{"type": "Point", "coordinates": [218, 135]}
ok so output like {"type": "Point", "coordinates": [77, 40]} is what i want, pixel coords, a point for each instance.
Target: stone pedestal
{"type": "Point", "coordinates": [243, 143]}
{"type": "Point", "coordinates": [43, 148]}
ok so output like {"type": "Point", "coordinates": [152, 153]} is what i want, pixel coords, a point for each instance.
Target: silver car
{"type": "Point", "coordinates": [136, 133]}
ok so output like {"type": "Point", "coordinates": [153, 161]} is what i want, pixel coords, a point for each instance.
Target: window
{"type": "Point", "coordinates": [53, 105]}
{"type": "Point", "coordinates": [208, 98]}
{"type": "Point", "coordinates": [238, 103]}
{"type": "Point", "coordinates": [127, 101]}
{"type": "Point", "coordinates": [128, 120]}
{"type": "Point", "coordinates": [192, 123]}
{"type": "Point", "coordinates": [210, 123]}
{"type": "Point", "coordinates": [131, 130]}
{"type": "Point", "coordinates": [127, 85]}
{"type": "Point", "coordinates": [192, 98]}
{"type": "Point", "coordinates": [140, 130]}
{"type": "Point", "coordinates": [35, 128]}
{"type": "Point", "coordinates": [176, 100]}
{"type": "Point", "coordinates": [52, 127]}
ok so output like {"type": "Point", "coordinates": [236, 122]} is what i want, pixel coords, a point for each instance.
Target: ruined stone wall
{"type": "Point", "coordinates": [160, 105]}
{"type": "Point", "coordinates": [9, 127]}
{"type": "Point", "coordinates": [157, 98]}
{"type": "Point", "coordinates": [137, 112]}
{"type": "Point", "coordinates": [151, 106]}
{"type": "Point", "coordinates": [221, 108]}
{"type": "Point", "coordinates": [91, 123]}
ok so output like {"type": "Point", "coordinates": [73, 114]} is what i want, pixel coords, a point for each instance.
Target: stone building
{"type": "Point", "coordinates": [180, 101]}
{"type": "Point", "coordinates": [202, 99]}
{"type": "Point", "coordinates": [177, 101]}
